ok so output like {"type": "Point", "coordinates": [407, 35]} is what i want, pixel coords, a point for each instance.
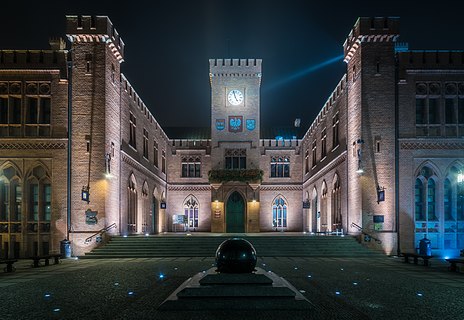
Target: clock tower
{"type": "Point", "coordinates": [235, 85]}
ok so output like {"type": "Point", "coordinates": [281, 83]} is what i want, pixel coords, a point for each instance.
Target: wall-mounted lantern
{"type": "Point", "coordinates": [380, 194]}
{"type": "Point", "coordinates": [85, 194]}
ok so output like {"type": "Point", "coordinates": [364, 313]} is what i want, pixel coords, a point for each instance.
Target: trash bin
{"type": "Point", "coordinates": [425, 247]}
{"type": "Point", "coordinates": [65, 248]}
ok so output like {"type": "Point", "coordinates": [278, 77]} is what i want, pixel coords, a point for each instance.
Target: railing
{"type": "Point", "coordinates": [100, 232]}
{"type": "Point", "coordinates": [359, 228]}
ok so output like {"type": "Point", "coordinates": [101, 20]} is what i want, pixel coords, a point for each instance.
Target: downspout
{"type": "Point", "coordinates": [68, 218]}
{"type": "Point", "coordinates": [397, 213]}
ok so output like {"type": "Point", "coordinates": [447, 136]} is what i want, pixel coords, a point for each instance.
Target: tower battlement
{"type": "Point", "coordinates": [235, 66]}
{"type": "Point", "coordinates": [95, 29]}
{"type": "Point", "coordinates": [371, 29]}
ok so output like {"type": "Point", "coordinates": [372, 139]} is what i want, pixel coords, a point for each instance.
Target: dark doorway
{"type": "Point", "coordinates": [235, 214]}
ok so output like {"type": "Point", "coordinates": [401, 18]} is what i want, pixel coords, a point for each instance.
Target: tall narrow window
{"type": "Point", "coordinates": [132, 130]}
{"type": "Point", "coordinates": [113, 74]}
{"type": "Point", "coordinates": [335, 130]}
{"type": "Point", "coordinates": [323, 143]}
{"type": "Point", "coordinates": [421, 111]}
{"type": "Point", "coordinates": [88, 63]}
{"type": "Point", "coordinates": [450, 114]}
{"type": "Point", "coordinates": [155, 154]}
{"type": "Point", "coordinates": [33, 202]}
{"type": "Point", "coordinates": [47, 202]}
{"type": "Point", "coordinates": [3, 110]}
{"type": "Point", "coordinates": [4, 203]}
{"type": "Point", "coordinates": [145, 143]}
{"type": "Point", "coordinates": [279, 213]}
{"type": "Point", "coordinates": [18, 198]}
{"type": "Point", "coordinates": [307, 161]}
{"type": "Point", "coordinates": [314, 153]}
{"type": "Point", "coordinates": [419, 200]}
{"type": "Point", "coordinates": [163, 161]}
{"type": "Point", "coordinates": [447, 200]}
{"type": "Point", "coordinates": [434, 111]}
{"type": "Point", "coordinates": [431, 199]}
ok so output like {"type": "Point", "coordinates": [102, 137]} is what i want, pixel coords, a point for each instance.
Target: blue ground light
{"type": "Point", "coordinates": [161, 276]}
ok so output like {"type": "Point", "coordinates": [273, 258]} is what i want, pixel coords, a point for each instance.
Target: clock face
{"type": "Point", "coordinates": [235, 97]}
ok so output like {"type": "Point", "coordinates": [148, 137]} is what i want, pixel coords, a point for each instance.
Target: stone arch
{"type": "Point", "coordinates": [7, 164]}
{"type": "Point", "coordinates": [323, 215]}
{"type": "Point", "coordinates": [191, 207]}
{"type": "Point", "coordinates": [132, 204]}
{"type": "Point", "coordinates": [313, 225]}
{"type": "Point", "coordinates": [430, 165]}
{"type": "Point", "coordinates": [279, 212]}
{"type": "Point", "coordinates": [336, 208]}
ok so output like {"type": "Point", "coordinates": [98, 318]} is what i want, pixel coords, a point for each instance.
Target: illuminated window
{"type": "Point", "coordinates": [34, 202]}
{"type": "Point", "coordinates": [191, 167]}
{"type": "Point", "coordinates": [279, 213]}
{"type": "Point", "coordinates": [191, 211]}
{"type": "Point", "coordinates": [280, 167]}
{"type": "Point", "coordinates": [47, 202]}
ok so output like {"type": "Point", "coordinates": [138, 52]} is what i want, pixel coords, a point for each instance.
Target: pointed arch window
{"type": "Point", "coordinates": [279, 213]}
{"type": "Point", "coordinates": [191, 211]}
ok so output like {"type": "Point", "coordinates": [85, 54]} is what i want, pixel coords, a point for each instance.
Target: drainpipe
{"type": "Point", "coordinates": [68, 219]}
{"type": "Point", "coordinates": [397, 206]}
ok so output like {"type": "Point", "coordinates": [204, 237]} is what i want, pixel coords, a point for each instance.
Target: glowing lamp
{"type": "Point", "coordinates": [85, 194]}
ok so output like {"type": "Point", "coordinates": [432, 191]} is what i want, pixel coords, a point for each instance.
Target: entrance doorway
{"type": "Point", "coordinates": [235, 214]}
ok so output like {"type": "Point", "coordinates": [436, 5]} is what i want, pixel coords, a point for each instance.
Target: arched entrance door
{"type": "Point", "coordinates": [235, 214]}
{"type": "Point", "coordinates": [154, 210]}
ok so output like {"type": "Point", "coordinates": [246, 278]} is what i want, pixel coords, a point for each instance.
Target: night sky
{"type": "Point", "coordinates": [168, 44]}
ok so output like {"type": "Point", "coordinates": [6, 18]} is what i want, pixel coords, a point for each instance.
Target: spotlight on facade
{"type": "Point", "coordinates": [360, 171]}
{"type": "Point", "coordinates": [460, 177]}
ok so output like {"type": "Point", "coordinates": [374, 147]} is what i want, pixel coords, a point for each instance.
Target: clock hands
{"type": "Point", "coordinates": [235, 96]}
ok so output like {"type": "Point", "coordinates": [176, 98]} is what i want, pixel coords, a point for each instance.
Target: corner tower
{"type": "Point", "coordinates": [371, 128]}
{"type": "Point", "coordinates": [96, 53]}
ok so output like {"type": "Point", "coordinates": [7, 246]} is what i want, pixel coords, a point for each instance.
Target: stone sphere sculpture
{"type": "Point", "coordinates": [236, 255]}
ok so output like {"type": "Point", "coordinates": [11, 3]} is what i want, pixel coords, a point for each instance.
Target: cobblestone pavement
{"type": "Point", "coordinates": [340, 288]}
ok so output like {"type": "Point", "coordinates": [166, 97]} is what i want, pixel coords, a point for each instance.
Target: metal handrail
{"type": "Point", "coordinates": [101, 231]}
{"type": "Point", "coordinates": [354, 225]}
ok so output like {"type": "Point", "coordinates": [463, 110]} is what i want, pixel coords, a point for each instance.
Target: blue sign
{"type": "Point", "coordinates": [220, 124]}
{"type": "Point", "coordinates": [250, 124]}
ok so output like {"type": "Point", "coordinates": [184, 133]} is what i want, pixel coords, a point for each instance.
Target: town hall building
{"type": "Point", "coordinates": [81, 154]}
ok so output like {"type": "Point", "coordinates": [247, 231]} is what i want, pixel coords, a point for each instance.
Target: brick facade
{"type": "Point", "coordinates": [368, 137]}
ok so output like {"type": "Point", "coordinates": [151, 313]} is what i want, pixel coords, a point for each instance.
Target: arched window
{"type": "Point", "coordinates": [4, 200]}
{"type": "Point", "coordinates": [279, 212]}
{"type": "Point", "coordinates": [191, 211]}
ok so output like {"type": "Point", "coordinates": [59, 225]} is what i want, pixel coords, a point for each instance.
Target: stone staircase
{"type": "Point", "coordinates": [205, 246]}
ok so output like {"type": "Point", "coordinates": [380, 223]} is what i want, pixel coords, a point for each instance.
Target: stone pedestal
{"type": "Point", "coordinates": [210, 290]}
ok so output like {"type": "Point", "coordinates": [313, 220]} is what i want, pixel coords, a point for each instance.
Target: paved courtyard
{"type": "Point", "coordinates": [340, 288]}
